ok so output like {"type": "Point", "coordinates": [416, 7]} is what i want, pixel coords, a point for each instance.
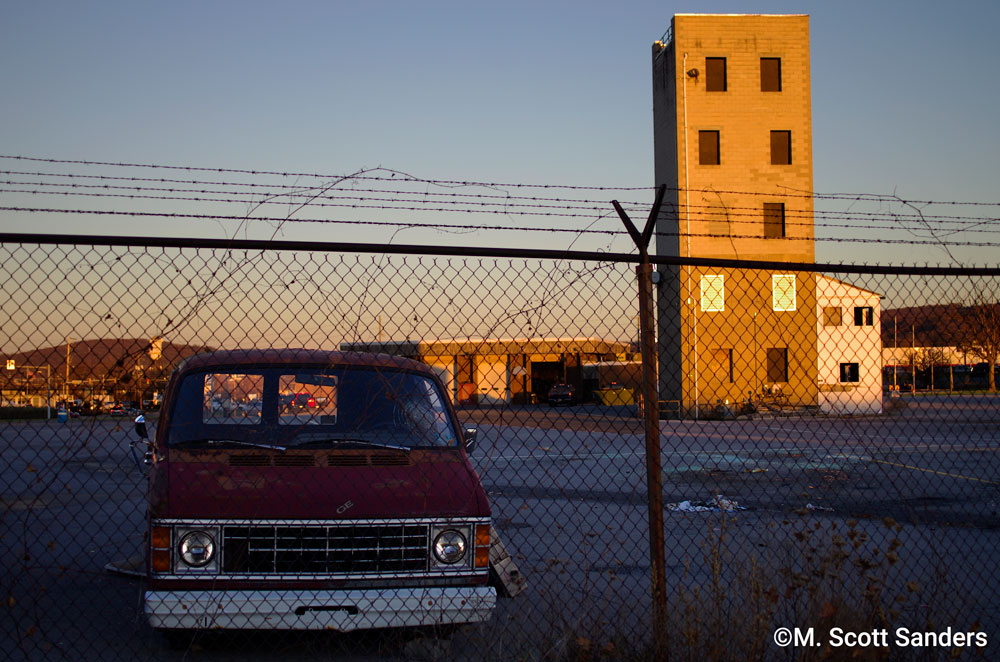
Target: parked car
{"type": "Point", "coordinates": [365, 513]}
{"type": "Point", "coordinates": [299, 401]}
{"type": "Point", "coordinates": [117, 409]}
{"type": "Point", "coordinates": [562, 394]}
{"type": "Point", "coordinates": [91, 408]}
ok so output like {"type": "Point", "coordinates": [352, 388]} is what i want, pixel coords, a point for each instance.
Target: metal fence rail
{"type": "Point", "coordinates": [828, 445]}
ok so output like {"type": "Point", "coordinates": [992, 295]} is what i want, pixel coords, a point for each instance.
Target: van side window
{"type": "Point", "coordinates": [232, 399]}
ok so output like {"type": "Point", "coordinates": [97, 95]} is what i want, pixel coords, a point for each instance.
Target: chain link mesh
{"type": "Point", "coordinates": [828, 450]}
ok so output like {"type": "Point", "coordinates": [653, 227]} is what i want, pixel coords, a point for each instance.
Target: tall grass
{"type": "Point", "coordinates": [830, 574]}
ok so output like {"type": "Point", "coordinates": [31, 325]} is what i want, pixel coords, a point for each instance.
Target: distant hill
{"type": "Point", "coordinates": [108, 357]}
{"type": "Point", "coordinates": [939, 325]}
{"type": "Point", "coordinates": [933, 326]}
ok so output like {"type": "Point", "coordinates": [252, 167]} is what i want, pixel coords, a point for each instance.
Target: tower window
{"type": "Point", "coordinates": [781, 148]}
{"type": "Point", "coordinates": [849, 373]}
{"type": "Point", "coordinates": [708, 148]}
{"type": "Point", "coordinates": [777, 364]}
{"type": "Point", "coordinates": [713, 293]}
{"type": "Point", "coordinates": [864, 316]}
{"type": "Point", "coordinates": [720, 364]}
{"type": "Point", "coordinates": [715, 74]}
{"type": "Point", "coordinates": [783, 292]}
{"type": "Point", "coordinates": [770, 74]}
{"type": "Point", "coordinates": [774, 220]}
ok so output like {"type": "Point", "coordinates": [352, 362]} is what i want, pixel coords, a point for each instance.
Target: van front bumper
{"type": "Point", "coordinates": [318, 610]}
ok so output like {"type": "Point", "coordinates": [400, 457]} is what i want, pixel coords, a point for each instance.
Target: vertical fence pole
{"type": "Point", "coordinates": [654, 475]}
{"type": "Point", "coordinates": [651, 421]}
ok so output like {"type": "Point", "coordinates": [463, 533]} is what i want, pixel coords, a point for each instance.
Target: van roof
{"type": "Point", "coordinates": [282, 357]}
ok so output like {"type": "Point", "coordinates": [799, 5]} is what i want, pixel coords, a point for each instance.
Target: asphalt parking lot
{"type": "Point", "coordinates": [568, 492]}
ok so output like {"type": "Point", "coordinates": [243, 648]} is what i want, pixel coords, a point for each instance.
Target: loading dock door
{"type": "Point", "coordinates": [543, 375]}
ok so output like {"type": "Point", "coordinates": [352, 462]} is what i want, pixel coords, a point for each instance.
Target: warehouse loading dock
{"type": "Point", "coordinates": [485, 372]}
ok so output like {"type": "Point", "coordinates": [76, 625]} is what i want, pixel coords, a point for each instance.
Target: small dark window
{"type": "Point", "coordinates": [781, 148]}
{"type": "Point", "coordinates": [708, 147]}
{"type": "Point", "coordinates": [770, 74]}
{"type": "Point", "coordinates": [832, 316]}
{"type": "Point", "coordinates": [720, 364]}
{"type": "Point", "coordinates": [849, 372]}
{"type": "Point", "coordinates": [774, 220]}
{"type": "Point", "coordinates": [864, 316]}
{"type": "Point", "coordinates": [777, 364]}
{"type": "Point", "coordinates": [715, 74]}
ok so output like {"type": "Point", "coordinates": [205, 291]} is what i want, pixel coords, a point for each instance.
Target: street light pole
{"type": "Point", "coordinates": [68, 339]}
{"type": "Point", "coordinates": [895, 355]}
{"type": "Point", "coordinates": [67, 372]}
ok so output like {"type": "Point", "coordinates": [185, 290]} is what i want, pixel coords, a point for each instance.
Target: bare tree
{"type": "Point", "coordinates": [926, 358]}
{"type": "Point", "coordinates": [980, 331]}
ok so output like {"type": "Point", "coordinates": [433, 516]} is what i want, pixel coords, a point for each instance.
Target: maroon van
{"type": "Point", "coordinates": [301, 489]}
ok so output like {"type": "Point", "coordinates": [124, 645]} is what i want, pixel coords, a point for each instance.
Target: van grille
{"type": "Point", "coordinates": [326, 550]}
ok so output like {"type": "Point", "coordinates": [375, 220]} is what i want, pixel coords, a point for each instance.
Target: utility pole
{"type": "Point", "coordinates": [895, 355]}
{"type": "Point", "coordinates": [67, 372]}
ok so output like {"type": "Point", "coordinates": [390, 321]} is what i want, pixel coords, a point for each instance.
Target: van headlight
{"type": "Point", "coordinates": [449, 547]}
{"type": "Point", "coordinates": [197, 549]}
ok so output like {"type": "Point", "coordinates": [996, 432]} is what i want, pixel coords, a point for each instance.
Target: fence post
{"type": "Point", "coordinates": [651, 421]}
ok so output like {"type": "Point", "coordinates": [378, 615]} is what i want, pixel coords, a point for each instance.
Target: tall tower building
{"type": "Point", "coordinates": [732, 123]}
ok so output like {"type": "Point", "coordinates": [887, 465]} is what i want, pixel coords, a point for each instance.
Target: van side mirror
{"type": "Point", "coordinates": [140, 428]}
{"type": "Point", "coordinates": [470, 438]}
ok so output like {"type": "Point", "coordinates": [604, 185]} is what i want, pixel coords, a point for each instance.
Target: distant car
{"type": "Point", "coordinates": [92, 408]}
{"type": "Point", "coordinates": [252, 409]}
{"type": "Point", "coordinates": [117, 410]}
{"type": "Point", "coordinates": [298, 402]}
{"type": "Point", "coordinates": [562, 394]}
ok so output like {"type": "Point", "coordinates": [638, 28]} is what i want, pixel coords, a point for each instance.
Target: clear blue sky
{"type": "Point", "coordinates": [905, 95]}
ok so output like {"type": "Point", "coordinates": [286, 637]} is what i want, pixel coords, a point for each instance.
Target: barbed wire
{"type": "Point", "coordinates": [508, 201]}
{"type": "Point", "coordinates": [479, 228]}
{"type": "Point", "coordinates": [399, 176]}
{"type": "Point", "coordinates": [703, 213]}
{"type": "Point", "coordinates": [395, 175]}
{"type": "Point", "coordinates": [270, 187]}
{"type": "Point", "coordinates": [592, 204]}
{"type": "Point", "coordinates": [357, 191]}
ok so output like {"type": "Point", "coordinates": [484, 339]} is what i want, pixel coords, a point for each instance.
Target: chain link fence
{"type": "Point", "coordinates": [828, 453]}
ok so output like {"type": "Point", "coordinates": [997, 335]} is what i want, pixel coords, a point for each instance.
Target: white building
{"type": "Point", "coordinates": [850, 348]}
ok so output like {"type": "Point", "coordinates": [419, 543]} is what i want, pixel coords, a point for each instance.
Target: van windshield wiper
{"type": "Point", "coordinates": [228, 442]}
{"type": "Point", "coordinates": [340, 441]}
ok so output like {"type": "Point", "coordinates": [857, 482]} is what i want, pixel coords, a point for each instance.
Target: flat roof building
{"type": "Point", "coordinates": [504, 370]}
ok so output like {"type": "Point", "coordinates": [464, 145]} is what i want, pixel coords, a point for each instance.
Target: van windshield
{"type": "Point", "coordinates": [311, 407]}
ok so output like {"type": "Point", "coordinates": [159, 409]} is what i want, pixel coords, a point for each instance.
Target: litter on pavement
{"type": "Point", "coordinates": [718, 503]}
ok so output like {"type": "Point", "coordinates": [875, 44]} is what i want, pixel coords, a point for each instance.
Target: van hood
{"type": "Point", "coordinates": [317, 485]}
